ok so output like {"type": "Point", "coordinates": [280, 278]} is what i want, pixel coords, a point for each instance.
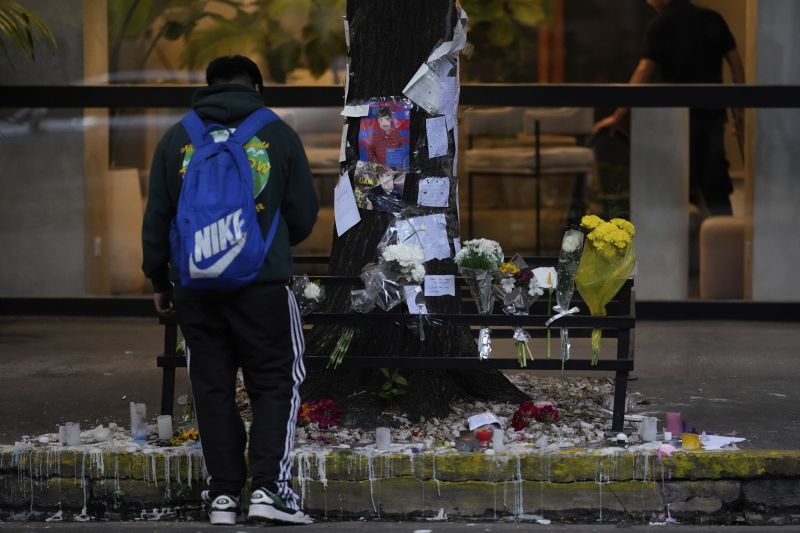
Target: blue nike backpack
{"type": "Point", "coordinates": [215, 239]}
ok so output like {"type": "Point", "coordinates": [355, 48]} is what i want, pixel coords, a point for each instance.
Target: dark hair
{"type": "Point", "coordinates": [384, 111]}
{"type": "Point", "coordinates": [233, 68]}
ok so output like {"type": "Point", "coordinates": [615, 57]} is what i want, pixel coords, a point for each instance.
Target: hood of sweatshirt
{"type": "Point", "coordinates": [226, 103]}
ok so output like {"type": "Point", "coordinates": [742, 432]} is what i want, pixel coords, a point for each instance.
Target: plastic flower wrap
{"type": "Point", "coordinates": [606, 264]}
{"type": "Point", "coordinates": [568, 260]}
{"type": "Point", "coordinates": [399, 264]}
{"type": "Point", "coordinates": [517, 288]}
{"type": "Point", "coordinates": [307, 293]}
{"type": "Point", "coordinates": [478, 261]}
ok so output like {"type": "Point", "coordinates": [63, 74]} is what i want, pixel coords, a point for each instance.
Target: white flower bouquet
{"type": "Point", "coordinates": [478, 261]}
{"type": "Point", "coordinates": [398, 265]}
{"type": "Point", "coordinates": [307, 293]}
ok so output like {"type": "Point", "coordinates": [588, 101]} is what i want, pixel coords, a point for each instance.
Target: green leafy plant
{"type": "Point", "coordinates": [394, 386]}
{"type": "Point", "coordinates": [505, 38]}
{"type": "Point", "coordinates": [287, 34]}
{"type": "Point", "coordinates": [21, 28]}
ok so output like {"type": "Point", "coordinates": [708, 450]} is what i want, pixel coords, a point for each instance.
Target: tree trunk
{"type": "Point", "coordinates": [390, 40]}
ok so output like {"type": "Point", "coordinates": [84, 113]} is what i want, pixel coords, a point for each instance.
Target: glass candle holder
{"type": "Point", "coordinates": [484, 435]}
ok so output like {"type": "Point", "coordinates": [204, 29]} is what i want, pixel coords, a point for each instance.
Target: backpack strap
{"type": "Point", "coordinates": [273, 229]}
{"type": "Point", "coordinates": [198, 133]}
{"type": "Point", "coordinates": [253, 124]}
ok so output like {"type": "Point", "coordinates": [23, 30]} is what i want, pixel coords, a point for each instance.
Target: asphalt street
{"type": "Point", "coordinates": [723, 376]}
{"type": "Point", "coordinates": [369, 526]}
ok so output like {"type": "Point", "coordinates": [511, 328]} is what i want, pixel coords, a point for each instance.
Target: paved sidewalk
{"type": "Point", "coordinates": [723, 376]}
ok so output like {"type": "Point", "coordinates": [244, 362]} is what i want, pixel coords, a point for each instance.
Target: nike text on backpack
{"type": "Point", "coordinates": [215, 240]}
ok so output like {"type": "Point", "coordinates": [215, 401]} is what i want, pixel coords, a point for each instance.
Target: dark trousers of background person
{"type": "Point", "coordinates": [709, 181]}
{"type": "Point", "coordinates": [257, 328]}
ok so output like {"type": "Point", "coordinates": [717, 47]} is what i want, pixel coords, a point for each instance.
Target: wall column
{"type": "Point", "coordinates": [95, 153]}
{"type": "Point", "coordinates": [776, 187]}
{"type": "Point", "coordinates": [660, 201]}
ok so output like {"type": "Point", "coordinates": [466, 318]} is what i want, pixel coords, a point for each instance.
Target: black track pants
{"type": "Point", "coordinates": [257, 328]}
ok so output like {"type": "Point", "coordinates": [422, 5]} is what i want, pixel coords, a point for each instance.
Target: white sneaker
{"type": "Point", "coordinates": [267, 506]}
{"type": "Point", "coordinates": [223, 509]}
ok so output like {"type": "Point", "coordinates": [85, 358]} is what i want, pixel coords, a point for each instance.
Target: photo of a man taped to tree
{"type": "Point", "coordinates": [384, 135]}
{"type": "Point", "coordinates": [379, 188]}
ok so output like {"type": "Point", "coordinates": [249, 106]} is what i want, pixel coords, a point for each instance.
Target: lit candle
{"type": "Point", "coordinates": [165, 427]}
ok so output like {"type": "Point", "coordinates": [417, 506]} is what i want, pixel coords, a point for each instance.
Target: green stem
{"type": "Point", "coordinates": [549, 307]}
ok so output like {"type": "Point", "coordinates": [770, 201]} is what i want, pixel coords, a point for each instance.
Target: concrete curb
{"type": "Point", "coordinates": [611, 484]}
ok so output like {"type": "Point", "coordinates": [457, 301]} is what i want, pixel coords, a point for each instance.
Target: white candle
{"type": "Point", "coordinates": [73, 431]}
{"type": "Point", "coordinates": [648, 428]}
{"type": "Point", "coordinates": [383, 438]}
{"type": "Point", "coordinates": [498, 443]}
{"type": "Point", "coordinates": [62, 435]}
{"type": "Point", "coordinates": [165, 427]}
{"type": "Point", "coordinates": [138, 420]}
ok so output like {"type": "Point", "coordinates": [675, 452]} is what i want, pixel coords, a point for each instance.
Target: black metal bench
{"type": "Point", "coordinates": [619, 324]}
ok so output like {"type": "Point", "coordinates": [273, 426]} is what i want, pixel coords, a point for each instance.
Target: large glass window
{"type": "Point", "coordinates": [76, 179]}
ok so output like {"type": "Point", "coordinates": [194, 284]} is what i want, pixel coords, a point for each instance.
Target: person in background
{"type": "Point", "coordinates": [688, 44]}
{"type": "Point", "coordinates": [256, 327]}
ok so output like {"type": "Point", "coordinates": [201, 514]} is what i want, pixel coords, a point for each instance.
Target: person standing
{"type": "Point", "coordinates": [688, 44]}
{"type": "Point", "coordinates": [256, 327]}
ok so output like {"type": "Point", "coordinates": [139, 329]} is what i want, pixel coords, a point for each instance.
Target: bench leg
{"type": "Point", "coordinates": [168, 377]}
{"type": "Point", "coordinates": [620, 392]}
{"type": "Point", "coordinates": [167, 391]}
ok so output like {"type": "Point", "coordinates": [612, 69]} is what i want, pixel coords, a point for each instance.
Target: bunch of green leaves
{"type": "Point", "coordinates": [153, 20]}
{"type": "Point", "coordinates": [394, 386]}
{"type": "Point", "coordinates": [503, 33]}
{"type": "Point", "coordinates": [21, 28]}
{"type": "Point", "coordinates": [287, 34]}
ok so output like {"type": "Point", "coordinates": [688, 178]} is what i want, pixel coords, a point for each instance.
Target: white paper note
{"type": "Point", "coordinates": [455, 161]}
{"type": "Point", "coordinates": [440, 285]}
{"type": "Point", "coordinates": [437, 136]}
{"type": "Point", "coordinates": [425, 87]}
{"type": "Point", "coordinates": [346, 79]}
{"type": "Point", "coordinates": [429, 231]}
{"type": "Point", "coordinates": [345, 210]}
{"type": "Point", "coordinates": [482, 419]}
{"type": "Point", "coordinates": [343, 148]}
{"type": "Point", "coordinates": [717, 442]}
{"type": "Point", "coordinates": [410, 293]}
{"type": "Point", "coordinates": [457, 244]}
{"type": "Point", "coordinates": [434, 192]}
{"type": "Point", "coordinates": [355, 110]}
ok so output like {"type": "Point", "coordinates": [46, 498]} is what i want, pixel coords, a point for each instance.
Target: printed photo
{"type": "Point", "coordinates": [384, 135]}
{"type": "Point", "coordinates": [378, 188]}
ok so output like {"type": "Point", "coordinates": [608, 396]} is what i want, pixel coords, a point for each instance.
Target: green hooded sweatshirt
{"type": "Point", "coordinates": [281, 178]}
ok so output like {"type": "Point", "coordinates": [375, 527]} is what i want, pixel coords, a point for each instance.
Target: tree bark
{"type": "Point", "coordinates": [390, 40]}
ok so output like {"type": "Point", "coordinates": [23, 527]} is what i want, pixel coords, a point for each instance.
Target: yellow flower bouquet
{"type": "Point", "coordinates": [606, 264]}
